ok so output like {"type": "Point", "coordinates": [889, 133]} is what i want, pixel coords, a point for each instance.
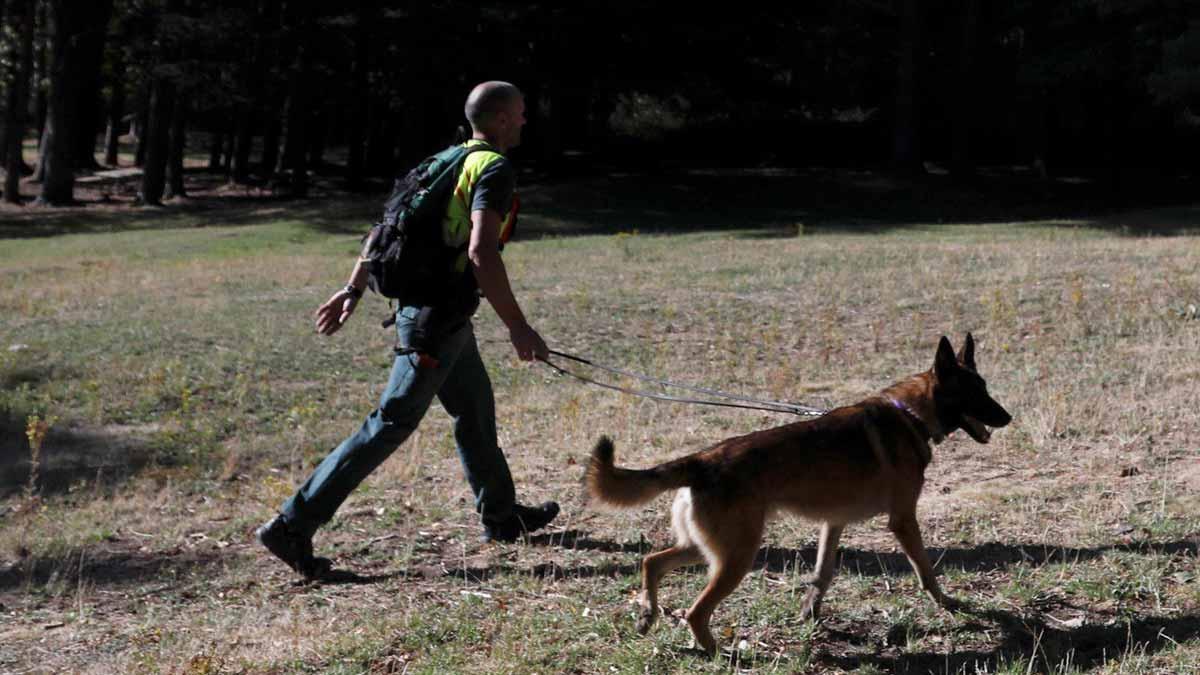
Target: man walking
{"type": "Point", "coordinates": [439, 355]}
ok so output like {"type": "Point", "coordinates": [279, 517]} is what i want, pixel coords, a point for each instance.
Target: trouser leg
{"type": "Point", "coordinates": [410, 390]}
{"type": "Point", "coordinates": [467, 396]}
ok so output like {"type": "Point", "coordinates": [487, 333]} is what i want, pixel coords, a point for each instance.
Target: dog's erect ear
{"type": "Point", "coordinates": [966, 355]}
{"type": "Point", "coordinates": [944, 363]}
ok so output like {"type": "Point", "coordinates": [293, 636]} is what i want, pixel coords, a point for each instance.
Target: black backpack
{"type": "Point", "coordinates": [407, 257]}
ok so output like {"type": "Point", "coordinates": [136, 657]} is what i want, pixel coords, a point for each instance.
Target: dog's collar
{"type": "Point", "coordinates": [922, 427]}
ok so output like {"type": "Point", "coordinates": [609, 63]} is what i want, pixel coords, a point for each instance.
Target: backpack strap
{"type": "Point", "coordinates": [475, 148]}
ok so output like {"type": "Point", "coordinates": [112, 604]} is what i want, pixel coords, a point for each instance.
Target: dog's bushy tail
{"type": "Point", "coordinates": [622, 488]}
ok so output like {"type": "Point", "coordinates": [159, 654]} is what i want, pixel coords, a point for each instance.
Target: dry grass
{"type": "Point", "coordinates": [192, 397]}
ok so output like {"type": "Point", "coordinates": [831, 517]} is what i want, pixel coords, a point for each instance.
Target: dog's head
{"type": "Point", "coordinates": [961, 395]}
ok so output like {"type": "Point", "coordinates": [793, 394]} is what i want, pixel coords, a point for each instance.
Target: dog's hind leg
{"type": "Point", "coordinates": [908, 533]}
{"type": "Point", "coordinates": [826, 554]}
{"type": "Point", "coordinates": [730, 558]}
{"type": "Point", "coordinates": [654, 566]}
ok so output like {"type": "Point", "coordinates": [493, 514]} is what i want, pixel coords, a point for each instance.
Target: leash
{"type": "Point", "coordinates": [745, 402]}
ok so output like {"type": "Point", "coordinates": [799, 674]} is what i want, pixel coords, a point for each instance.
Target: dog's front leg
{"type": "Point", "coordinates": [826, 553]}
{"type": "Point", "coordinates": [908, 533]}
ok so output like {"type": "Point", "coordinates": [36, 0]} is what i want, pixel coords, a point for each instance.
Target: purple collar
{"type": "Point", "coordinates": [922, 428]}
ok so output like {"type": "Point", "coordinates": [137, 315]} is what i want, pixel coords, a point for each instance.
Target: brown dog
{"type": "Point", "coordinates": [848, 465]}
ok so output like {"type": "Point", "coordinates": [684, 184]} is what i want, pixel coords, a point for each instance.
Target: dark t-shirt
{"type": "Point", "coordinates": [494, 190]}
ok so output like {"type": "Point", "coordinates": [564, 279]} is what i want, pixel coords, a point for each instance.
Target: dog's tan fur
{"type": "Point", "coordinates": [848, 465]}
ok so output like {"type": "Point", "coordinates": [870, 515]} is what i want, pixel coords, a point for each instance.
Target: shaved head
{"type": "Point", "coordinates": [488, 100]}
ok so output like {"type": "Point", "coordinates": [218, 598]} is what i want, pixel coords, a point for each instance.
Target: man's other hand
{"type": "Point", "coordinates": [332, 315]}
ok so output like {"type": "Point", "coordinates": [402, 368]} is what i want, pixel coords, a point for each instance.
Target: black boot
{"type": "Point", "coordinates": [524, 519]}
{"type": "Point", "coordinates": [293, 548]}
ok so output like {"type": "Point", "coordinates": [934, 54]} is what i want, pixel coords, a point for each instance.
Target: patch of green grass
{"type": "Point", "coordinates": [192, 396]}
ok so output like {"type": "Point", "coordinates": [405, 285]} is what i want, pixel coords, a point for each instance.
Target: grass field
{"type": "Point", "coordinates": [162, 391]}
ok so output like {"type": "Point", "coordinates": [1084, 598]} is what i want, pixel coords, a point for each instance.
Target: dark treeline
{"type": "Point", "coordinates": [280, 89]}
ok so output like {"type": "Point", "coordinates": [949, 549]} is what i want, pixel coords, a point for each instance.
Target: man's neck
{"type": "Point", "coordinates": [492, 142]}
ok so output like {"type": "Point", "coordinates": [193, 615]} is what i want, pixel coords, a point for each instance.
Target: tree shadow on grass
{"type": "Point", "coordinates": [981, 558]}
{"type": "Point", "coordinates": [108, 569]}
{"type": "Point", "coordinates": [1025, 638]}
{"type": "Point", "coordinates": [548, 570]}
{"type": "Point", "coordinates": [783, 202]}
{"type": "Point", "coordinates": [327, 209]}
{"type": "Point", "coordinates": [577, 540]}
{"type": "Point", "coordinates": [574, 540]}
{"type": "Point", "coordinates": [334, 216]}
{"type": "Point", "coordinates": [1038, 646]}
{"type": "Point", "coordinates": [479, 575]}
{"type": "Point", "coordinates": [1030, 639]}
{"type": "Point", "coordinates": [337, 577]}
{"type": "Point", "coordinates": [68, 456]}
{"type": "Point", "coordinates": [682, 199]}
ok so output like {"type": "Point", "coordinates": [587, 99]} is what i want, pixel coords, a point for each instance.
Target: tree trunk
{"type": "Point", "coordinates": [249, 112]}
{"type": "Point", "coordinates": [359, 92]}
{"type": "Point", "coordinates": [177, 147]}
{"type": "Point", "coordinates": [545, 100]}
{"type": "Point", "coordinates": [162, 99]}
{"type": "Point", "coordinates": [601, 104]}
{"type": "Point", "coordinates": [57, 149]}
{"type": "Point", "coordinates": [6, 78]}
{"type": "Point", "coordinates": [216, 143]}
{"type": "Point", "coordinates": [142, 124]}
{"type": "Point", "coordinates": [967, 95]}
{"type": "Point", "coordinates": [906, 143]}
{"type": "Point", "coordinates": [411, 133]}
{"type": "Point", "coordinates": [243, 139]}
{"type": "Point", "coordinates": [274, 114]}
{"type": "Point", "coordinates": [93, 17]}
{"type": "Point", "coordinates": [227, 153]}
{"type": "Point", "coordinates": [20, 57]}
{"type": "Point", "coordinates": [381, 139]}
{"type": "Point", "coordinates": [270, 152]}
{"type": "Point", "coordinates": [1119, 108]}
{"type": "Point", "coordinates": [116, 111]}
{"type": "Point", "coordinates": [41, 63]}
{"type": "Point", "coordinates": [298, 110]}
{"type": "Point", "coordinates": [318, 132]}
{"type": "Point", "coordinates": [1041, 134]}
{"type": "Point", "coordinates": [549, 114]}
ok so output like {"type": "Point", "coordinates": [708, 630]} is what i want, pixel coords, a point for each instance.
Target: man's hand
{"type": "Point", "coordinates": [527, 342]}
{"type": "Point", "coordinates": [332, 315]}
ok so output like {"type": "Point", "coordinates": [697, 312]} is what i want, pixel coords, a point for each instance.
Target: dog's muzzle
{"type": "Point", "coordinates": [976, 429]}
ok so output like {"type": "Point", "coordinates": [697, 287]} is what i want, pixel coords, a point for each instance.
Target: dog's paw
{"type": "Point", "coordinates": [696, 648]}
{"type": "Point", "coordinates": [646, 620]}
{"type": "Point", "coordinates": [950, 604]}
{"type": "Point", "coordinates": [811, 609]}
{"type": "Point", "coordinates": [678, 616]}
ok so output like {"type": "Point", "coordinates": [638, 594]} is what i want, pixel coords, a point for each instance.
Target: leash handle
{"type": "Point", "coordinates": [747, 402]}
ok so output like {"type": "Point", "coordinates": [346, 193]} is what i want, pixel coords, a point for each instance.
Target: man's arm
{"type": "Point", "coordinates": [484, 253]}
{"type": "Point", "coordinates": [332, 315]}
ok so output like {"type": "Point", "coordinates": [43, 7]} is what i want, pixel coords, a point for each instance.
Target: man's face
{"type": "Point", "coordinates": [514, 119]}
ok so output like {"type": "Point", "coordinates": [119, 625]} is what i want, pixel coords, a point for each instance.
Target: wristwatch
{"type": "Point", "coordinates": [354, 292]}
